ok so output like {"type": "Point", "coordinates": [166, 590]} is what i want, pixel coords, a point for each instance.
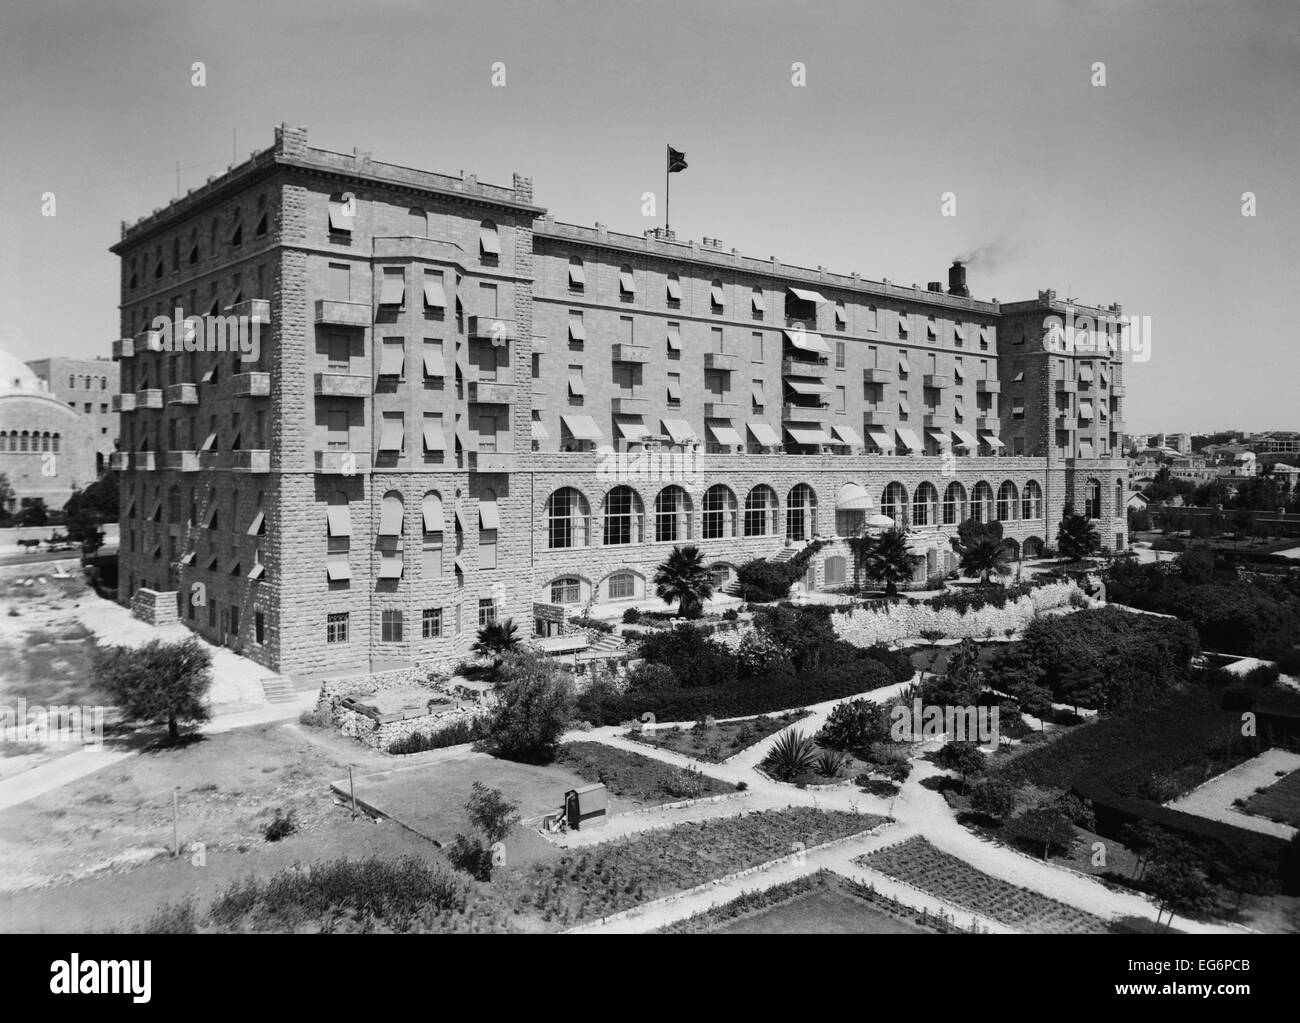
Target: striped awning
{"type": "Point", "coordinates": [808, 435]}
{"type": "Point", "coordinates": [909, 439]}
{"type": "Point", "coordinates": [852, 497]}
{"type": "Point", "coordinates": [847, 434]}
{"type": "Point", "coordinates": [807, 341]}
{"type": "Point", "coordinates": [764, 435]}
{"type": "Point", "coordinates": [807, 295]}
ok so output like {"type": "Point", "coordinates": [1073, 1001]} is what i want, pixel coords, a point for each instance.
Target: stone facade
{"type": "Point", "coordinates": [382, 478]}
{"type": "Point", "coordinates": [91, 387]}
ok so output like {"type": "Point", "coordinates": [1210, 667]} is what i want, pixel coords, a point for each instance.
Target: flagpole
{"type": "Point", "coordinates": [668, 167]}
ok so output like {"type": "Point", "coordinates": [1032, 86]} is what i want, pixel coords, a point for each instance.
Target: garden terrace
{"type": "Point", "coordinates": [717, 741]}
{"type": "Point", "coordinates": [636, 778]}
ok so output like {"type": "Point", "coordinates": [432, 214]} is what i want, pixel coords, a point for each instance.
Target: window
{"type": "Point", "coordinates": [902, 325]}
{"type": "Point", "coordinates": [622, 586]}
{"type": "Point", "coordinates": [833, 571]}
{"type": "Point", "coordinates": [577, 275]}
{"type": "Point", "coordinates": [489, 244]}
{"type": "Point", "coordinates": [674, 291]}
{"type": "Point", "coordinates": [431, 623]}
{"type": "Point", "coordinates": [719, 513]}
{"type": "Point", "coordinates": [390, 627]}
{"type": "Point", "coordinates": [893, 502]}
{"type": "Point", "coordinates": [720, 577]}
{"type": "Point", "coordinates": [577, 389]}
{"type": "Point", "coordinates": [758, 304]}
{"type": "Point", "coordinates": [954, 504]}
{"type": "Point", "coordinates": [757, 395]}
{"type": "Point", "coordinates": [1007, 500]}
{"type": "Point", "coordinates": [672, 515]}
{"type": "Point", "coordinates": [756, 346]}
{"type": "Point", "coordinates": [841, 316]}
{"type": "Point", "coordinates": [487, 612]}
{"type": "Point", "coordinates": [1092, 499]}
{"type": "Point", "coordinates": [674, 390]}
{"type": "Point", "coordinates": [392, 291]}
{"type": "Point", "coordinates": [925, 505]}
{"type": "Point", "coordinates": [839, 355]}
{"type": "Point", "coordinates": [982, 502]}
{"type": "Point", "coordinates": [717, 299]}
{"type": "Point", "coordinates": [621, 515]}
{"type": "Point", "coordinates": [566, 519]}
{"type": "Point", "coordinates": [760, 512]}
{"type": "Point", "coordinates": [626, 284]}
{"type": "Point", "coordinates": [1031, 502]}
{"type": "Point", "coordinates": [800, 512]}
{"type": "Point", "coordinates": [577, 330]}
{"type": "Point", "coordinates": [336, 627]}
{"type": "Point", "coordinates": [566, 591]}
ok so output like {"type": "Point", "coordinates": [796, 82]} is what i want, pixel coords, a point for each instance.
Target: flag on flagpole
{"type": "Point", "coordinates": [676, 160]}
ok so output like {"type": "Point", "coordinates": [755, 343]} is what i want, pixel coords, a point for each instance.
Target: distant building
{"type": "Point", "coordinates": [1277, 442]}
{"type": "Point", "coordinates": [45, 444]}
{"type": "Point", "coordinates": [91, 387]}
{"type": "Point", "coordinates": [1180, 442]}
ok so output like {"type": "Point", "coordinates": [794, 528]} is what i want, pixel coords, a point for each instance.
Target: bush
{"type": "Point", "coordinates": [317, 717]}
{"type": "Point", "coordinates": [1238, 696]}
{"type": "Point", "coordinates": [896, 662]}
{"type": "Point", "coordinates": [455, 734]}
{"type": "Point", "coordinates": [730, 615]}
{"type": "Point", "coordinates": [993, 798]}
{"type": "Point", "coordinates": [853, 725]}
{"type": "Point", "coordinates": [1263, 675]}
{"type": "Point", "coordinates": [829, 763]}
{"type": "Point", "coordinates": [535, 704]}
{"type": "Point", "coordinates": [596, 624]}
{"type": "Point", "coordinates": [763, 581]}
{"type": "Point", "coordinates": [685, 783]}
{"type": "Point", "coordinates": [792, 755]}
{"type": "Point", "coordinates": [692, 657]}
{"type": "Point", "coordinates": [631, 615]}
{"type": "Point", "coordinates": [282, 826]}
{"type": "Point", "coordinates": [649, 679]}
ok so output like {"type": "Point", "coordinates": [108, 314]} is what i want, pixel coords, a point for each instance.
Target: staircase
{"type": "Point", "coordinates": [605, 643]}
{"type": "Point", "coordinates": [784, 555]}
{"type": "Point", "coordinates": [279, 689]}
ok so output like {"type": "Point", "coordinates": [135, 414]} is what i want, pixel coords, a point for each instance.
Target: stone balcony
{"type": "Point", "coordinates": [630, 405]}
{"type": "Point", "coordinates": [183, 461]}
{"type": "Point", "coordinates": [149, 341]}
{"type": "Point", "coordinates": [1066, 421]}
{"type": "Point", "coordinates": [491, 392]}
{"type": "Point", "coordinates": [251, 460]}
{"type": "Point", "coordinates": [988, 386]}
{"type": "Point", "coordinates": [805, 413]}
{"type": "Point", "coordinates": [253, 310]}
{"type": "Point", "coordinates": [876, 417]}
{"type": "Point", "coordinates": [805, 367]}
{"type": "Point", "coordinates": [123, 402]}
{"type": "Point", "coordinates": [123, 348]}
{"type": "Point", "coordinates": [144, 460]}
{"type": "Point", "coordinates": [721, 409]}
{"type": "Point", "coordinates": [939, 381]}
{"type": "Point", "coordinates": [119, 461]}
{"type": "Point", "coordinates": [539, 400]}
{"type": "Point", "coordinates": [724, 361]}
{"type": "Point", "coordinates": [639, 354]}
{"type": "Point", "coordinates": [342, 385]}
{"type": "Point", "coordinates": [877, 376]}
{"type": "Point", "coordinates": [988, 423]}
{"type": "Point", "coordinates": [342, 463]}
{"type": "Point", "coordinates": [492, 461]}
{"type": "Point", "coordinates": [1118, 390]}
{"type": "Point", "coordinates": [251, 385]}
{"type": "Point", "coordinates": [182, 394]}
{"type": "Point", "coordinates": [491, 328]}
{"type": "Point", "coordinates": [1066, 386]}
{"type": "Point", "coordinates": [149, 397]}
{"type": "Point", "coordinates": [342, 314]}
{"type": "Point", "coordinates": [936, 419]}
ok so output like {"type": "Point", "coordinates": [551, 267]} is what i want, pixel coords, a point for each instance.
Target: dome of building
{"type": "Point", "coordinates": [16, 375]}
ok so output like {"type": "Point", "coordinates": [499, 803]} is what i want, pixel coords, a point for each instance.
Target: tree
{"type": "Point", "coordinates": [963, 757]}
{"type": "Point", "coordinates": [1045, 826]}
{"type": "Point", "coordinates": [33, 514]}
{"type": "Point", "coordinates": [985, 559]}
{"type": "Point", "coordinates": [890, 561]}
{"type": "Point", "coordinates": [87, 510]}
{"type": "Point", "coordinates": [683, 577]}
{"type": "Point", "coordinates": [993, 798]}
{"type": "Point", "coordinates": [1139, 520]}
{"type": "Point", "coordinates": [534, 706]}
{"type": "Point", "coordinates": [6, 496]}
{"type": "Point", "coordinates": [1076, 537]}
{"type": "Point", "coordinates": [495, 640]}
{"type": "Point", "coordinates": [1178, 884]}
{"type": "Point", "coordinates": [493, 815]}
{"type": "Point", "coordinates": [158, 681]}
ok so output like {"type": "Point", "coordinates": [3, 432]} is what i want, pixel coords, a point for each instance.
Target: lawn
{"type": "Point", "coordinates": [1278, 802]}
{"type": "Point", "coordinates": [635, 778]}
{"type": "Point", "coordinates": [719, 741]}
{"type": "Point", "coordinates": [820, 903]}
{"type": "Point", "coordinates": [918, 863]}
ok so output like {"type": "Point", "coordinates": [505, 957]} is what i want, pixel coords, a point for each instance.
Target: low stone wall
{"type": "Point", "coordinates": [365, 684]}
{"type": "Point", "coordinates": [865, 626]}
{"type": "Point", "coordinates": [156, 607]}
{"type": "Point", "coordinates": [379, 734]}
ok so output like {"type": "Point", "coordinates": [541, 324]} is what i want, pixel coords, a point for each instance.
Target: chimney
{"type": "Point", "coordinates": [936, 286]}
{"type": "Point", "coordinates": [957, 280]}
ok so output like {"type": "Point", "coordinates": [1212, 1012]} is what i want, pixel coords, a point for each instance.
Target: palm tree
{"type": "Point", "coordinates": [890, 561]}
{"type": "Point", "coordinates": [1076, 537]}
{"type": "Point", "coordinates": [496, 639]}
{"type": "Point", "coordinates": [985, 559]}
{"type": "Point", "coordinates": [684, 578]}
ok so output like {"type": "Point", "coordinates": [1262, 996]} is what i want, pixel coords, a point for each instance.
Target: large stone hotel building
{"type": "Point", "coordinates": [461, 408]}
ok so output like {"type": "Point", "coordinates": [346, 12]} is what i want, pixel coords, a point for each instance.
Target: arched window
{"type": "Point", "coordinates": [392, 515]}
{"type": "Point", "coordinates": [621, 586]}
{"type": "Point", "coordinates": [1033, 548]}
{"type": "Point", "coordinates": [833, 571]}
{"type": "Point", "coordinates": [1092, 499]}
{"type": "Point", "coordinates": [719, 513]}
{"type": "Point", "coordinates": [56, 442]}
{"type": "Point", "coordinates": [954, 504]}
{"type": "Point", "coordinates": [672, 515]}
{"type": "Point", "coordinates": [22, 441]}
{"type": "Point", "coordinates": [893, 502]}
{"type": "Point", "coordinates": [760, 511]}
{"type": "Point", "coordinates": [1031, 501]}
{"type": "Point", "coordinates": [567, 514]}
{"type": "Point", "coordinates": [981, 508]}
{"type": "Point", "coordinates": [623, 515]}
{"type": "Point", "coordinates": [1119, 497]}
{"type": "Point", "coordinates": [1006, 509]}
{"type": "Point", "coordinates": [800, 512]}
{"type": "Point", "coordinates": [925, 505]}
{"type": "Point", "coordinates": [566, 590]}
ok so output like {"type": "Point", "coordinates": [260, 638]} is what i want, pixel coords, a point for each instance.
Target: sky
{"type": "Point", "coordinates": [1126, 192]}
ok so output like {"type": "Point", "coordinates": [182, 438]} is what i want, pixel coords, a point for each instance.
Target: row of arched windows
{"type": "Point", "coordinates": [622, 516]}
{"type": "Point", "coordinates": [29, 440]}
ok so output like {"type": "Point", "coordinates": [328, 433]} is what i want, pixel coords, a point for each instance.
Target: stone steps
{"type": "Point", "coordinates": [278, 689]}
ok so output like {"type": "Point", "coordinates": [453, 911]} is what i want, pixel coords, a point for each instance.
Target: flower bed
{"type": "Point", "coordinates": [918, 863]}
{"type": "Point", "coordinates": [635, 777]}
{"type": "Point", "coordinates": [719, 741]}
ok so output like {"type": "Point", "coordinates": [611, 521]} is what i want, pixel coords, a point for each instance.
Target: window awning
{"type": "Point", "coordinates": [488, 517]}
{"type": "Point", "coordinates": [434, 364]}
{"type": "Point", "coordinates": [209, 443]}
{"type": "Point", "coordinates": [338, 569]}
{"type": "Point", "coordinates": [959, 374]}
{"type": "Point", "coordinates": [581, 427]}
{"type": "Point", "coordinates": [881, 437]}
{"type": "Point", "coordinates": [680, 431]}
{"type": "Point", "coordinates": [1085, 410]}
{"type": "Point", "coordinates": [390, 518]}
{"type": "Point", "coordinates": [674, 391]}
{"type": "Point", "coordinates": [1085, 449]}
{"type": "Point", "coordinates": [959, 332]}
{"type": "Point", "coordinates": [1019, 378]}
{"type": "Point", "coordinates": [390, 566]}
{"type": "Point", "coordinates": [577, 329]}
{"type": "Point", "coordinates": [577, 275]}
{"type": "Point", "coordinates": [434, 295]}
{"type": "Point", "coordinates": [432, 513]}
{"type": "Point", "coordinates": [211, 514]}
{"type": "Point", "coordinates": [539, 431]}
{"type": "Point", "coordinates": [807, 386]}
{"type": "Point", "coordinates": [393, 290]}
{"type": "Point", "coordinates": [852, 497]}
{"type": "Point", "coordinates": [392, 360]}
{"type": "Point", "coordinates": [902, 323]}
{"type": "Point", "coordinates": [807, 341]}
{"type": "Point", "coordinates": [814, 435]}
{"type": "Point", "coordinates": [434, 438]}
{"type": "Point", "coordinates": [338, 519]}
{"type": "Point", "coordinates": [632, 428]}
{"type": "Point", "coordinates": [765, 435]}
{"type": "Point", "coordinates": [716, 295]}
{"type": "Point", "coordinates": [965, 439]}
{"type": "Point", "coordinates": [390, 437]}
{"type": "Point", "coordinates": [757, 395]}
{"type": "Point", "coordinates": [460, 521]}
{"type": "Point", "coordinates": [847, 434]}
{"type": "Point", "coordinates": [255, 527]}
{"type": "Point", "coordinates": [760, 304]}
{"type": "Point", "coordinates": [187, 558]}
{"type": "Point", "coordinates": [723, 432]}
{"type": "Point", "coordinates": [903, 365]}
{"type": "Point", "coordinates": [903, 407]}
{"type": "Point", "coordinates": [674, 289]}
{"type": "Point", "coordinates": [909, 439]}
{"type": "Point", "coordinates": [1017, 410]}
{"type": "Point", "coordinates": [576, 386]}
{"type": "Point", "coordinates": [256, 571]}
{"type": "Point", "coordinates": [929, 329]}
{"type": "Point", "coordinates": [339, 219]}
{"type": "Point", "coordinates": [939, 436]}
{"type": "Point", "coordinates": [806, 295]}
{"type": "Point", "coordinates": [626, 282]}
{"type": "Point", "coordinates": [1085, 373]}
{"type": "Point", "coordinates": [488, 241]}
{"type": "Point", "coordinates": [991, 439]}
